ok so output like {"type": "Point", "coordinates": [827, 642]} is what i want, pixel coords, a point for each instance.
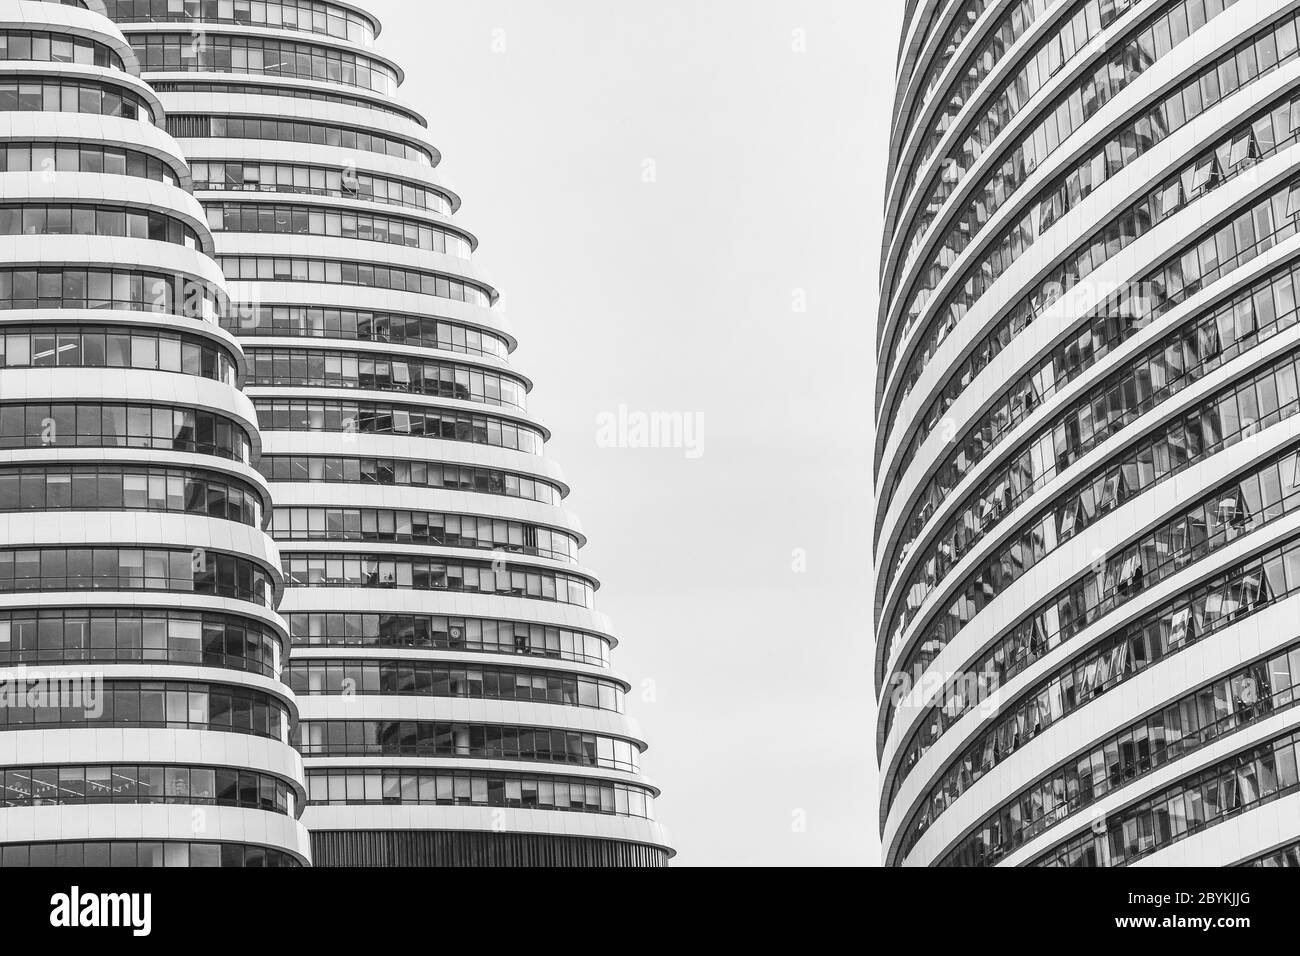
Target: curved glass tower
{"type": "Point", "coordinates": [143, 719]}
{"type": "Point", "coordinates": [458, 704]}
{"type": "Point", "coordinates": [1088, 539]}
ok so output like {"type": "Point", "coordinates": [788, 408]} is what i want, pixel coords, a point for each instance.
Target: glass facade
{"type": "Point", "coordinates": [1087, 409]}
{"type": "Point", "coordinates": [449, 632]}
{"type": "Point", "coordinates": [77, 635]}
{"type": "Point", "coordinates": [1232, 702]}
{"type": "Point", "coordinates": [309, 221]}
{"type": "Point", "coordinates": [452, 789]}
{"type": "Point", "coordinates": [292, 178]}
{"type": "Point", "coordinates": [423, 738]}
{"type": "Point", "coordinates": [423, 527]}
{"type": "Point", "coordinates": [1230, 512]}
{"type": "Point", "coordinates": [370, 372]}
{"type": "Point", "coordinates": [1233, 416]}
{"type": "Point", "coordinates": [445, 679]}
{"type": "Point", "coordinates": [85, 346]}
{"type": "Point", "coordinates": [143, 853]}
{"type": "Point", "coordinates": [188, 126]}
{"type": "Point", "coordinates": [419, 421]}
{"type": "Point", "coordinates": [352, 570]}
{"type": "Point", "coordinates": [394, 471]}
{"type": "Point", "coordinates": [429, 568]}
{"type": "Point", "coordinates": [142, 650]}
{"type": "Point", "coordinates": [1243, 782]}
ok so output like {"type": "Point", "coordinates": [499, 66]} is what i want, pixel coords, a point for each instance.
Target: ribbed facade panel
{"type": "Point", "coordinates": [433, 848]}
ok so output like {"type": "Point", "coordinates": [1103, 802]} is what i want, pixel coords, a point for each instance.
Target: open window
{"type": "Point", "coordinates": [1182, 627]}
{"type": "Point", "coordinates": [1233, 511]}
{"type": "Point", "coordinates": [1171, 198]}
{"type": "Point", "coordinates": [1293, 201]}
{"type": "Point", "coordinates": [1207, 174]}
{"type": "Point", "coordinates": [1241, 150]}
{"type": "Point", "coordinates": [1130, 575]}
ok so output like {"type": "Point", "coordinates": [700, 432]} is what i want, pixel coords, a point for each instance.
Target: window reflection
{"type": "Point", "coordinates": [1205, 174]}
{"type": "Point", "coordinates": [399, 471]}
{"type": "Point", "coordinates": [191, 126]}
{"type": "Point", "coordinates": [1195, 267]}
{"type": "Point", "coordinates": [1233, 414]}
{"type": "Point", "coordinates": [443, 632]}
{"type": "Point", "coordinates": [25, 157]}
{"type": "Point", "coordinates": [304, 16]}
{"type": "Point", "coordinates": [122, 290]}
{"type": "Point", "coordinates": [1249, 61]}
{"type": "Point", "coordinates": [1223, 516]}
{"type": "Point", "coordinates": [443, 679]}
{"type": "Point", "coordinates": [337, 272]}
{"type": "Point", "coordinates": [171, 53]}
{"type": "Point", "coordinates": [1002, 35]}
{"type": "Point", "coordinates": [135, 569]}
{"type": "Point", "coordinates": [41, 95]}
{"type": "Point", "coordinates": [66, 219]}
{"type": "Point", "coordinates": [460, 788]}
{"type": "Point", "coordinates": [240, 176]}
{"type": "Point", "coordinates": [30, 636]}
{"type": "Point", "coordinates": [285, 219]}
{"type": "Point", "coordinates": [108, 488]}
{"type": "Point", "coordinates": [1249, 317]}
{"type": "Point", "coordinates": [357, 571]}
{"type": "Point", "coordinates": [426, 738]}
{"type": "Point", "coordinates": [64, 785]}
{"type": "Point", "coordinates": [365, 326]}
{"type": "Point", "coordinates": [169, 704]}
{"type": "Point", "coordinates": [73, 346]}
{"type": "Point", "coordinates": [1157, 374]}
{"type": "Point", "coordinates": [423, 527]}
{"type": "Point", "coordinates": [123, 426]}
{"type": "Point", "coordinates": [315, 368]}
{"type": "Point", "coordinates": [1286, 856]}
{"type": "Point", "coordinates": [1059, 45]}
{"type": "Point", "coordinates": [133, 853]}
{"type": "Point", "coordinates": [1219, 708]}
{"type": "Point", "coordinates": [322, 95]}
{"type": "Point", "coordinates": [416, 421]}
{"type": "Point", "coordinates": [1242, 782]}
{"type": "Point", "coordinates": [35, 46]}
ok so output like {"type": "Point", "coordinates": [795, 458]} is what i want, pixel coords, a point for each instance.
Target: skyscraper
{"type": "Point", "coordinates": [143, 719]}
{"type": "Point", "coordinates": [458, 702]}
{"type": "Point", "coordinates": [1088, 533]}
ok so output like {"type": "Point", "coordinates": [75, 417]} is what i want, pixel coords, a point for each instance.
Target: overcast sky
{"type": "Point", "coordinates": [680, 201]}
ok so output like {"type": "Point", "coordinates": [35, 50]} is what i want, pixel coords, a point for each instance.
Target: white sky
{"type": "Point", "coordinates": [680, 295]}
